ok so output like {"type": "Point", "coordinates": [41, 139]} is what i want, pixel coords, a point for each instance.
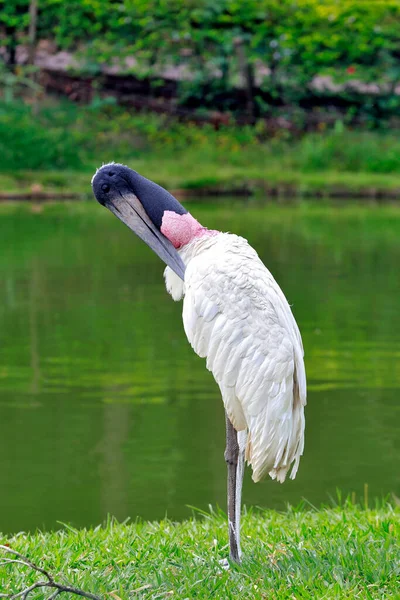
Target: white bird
{"type": "Point", "coordinates": [236, 316]}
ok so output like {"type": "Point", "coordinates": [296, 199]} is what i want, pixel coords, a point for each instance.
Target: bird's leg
{"type": "Point", "coordinates": [242, 441]}
{"type": "Point", "coordinates": [231, 458]}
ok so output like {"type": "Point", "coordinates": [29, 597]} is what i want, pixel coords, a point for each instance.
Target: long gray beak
{"type": "Point", "coordinates": [130, 211]}
{"type": "Point", "coordinates": [124, 192]}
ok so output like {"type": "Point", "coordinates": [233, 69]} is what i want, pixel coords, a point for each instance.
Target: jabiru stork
{"type": "Point", "coordinates": [236, 316]}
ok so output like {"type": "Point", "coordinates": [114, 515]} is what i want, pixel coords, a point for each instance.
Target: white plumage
{"type": "Point", "coordinates": [236, 315]}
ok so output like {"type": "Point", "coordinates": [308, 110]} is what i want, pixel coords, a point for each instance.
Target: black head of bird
{"type": "Point", "coordinates": [140, 204]}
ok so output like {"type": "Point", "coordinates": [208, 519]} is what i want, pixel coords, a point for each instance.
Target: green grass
{"type": "Point", "coordinates": [59, 148]}
{"type": "Point", "coordinates": [341, 552]}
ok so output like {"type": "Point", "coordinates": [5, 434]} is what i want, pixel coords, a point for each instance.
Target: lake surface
{"type": "Point", "coordinates": [104, 407]}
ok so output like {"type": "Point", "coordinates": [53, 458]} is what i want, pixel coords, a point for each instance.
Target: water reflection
{"type": "Point", "coordinates": [104, 408]}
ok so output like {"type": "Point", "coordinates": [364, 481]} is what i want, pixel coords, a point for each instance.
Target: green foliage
{"type": "Point", "coordinates": [18, 82]}
{"type": "Point", "coordinates": [66, 136]}
{"type": "Point", "coordinates": [345, 552]}
{"type": "Point", "coordinates": [33, 142]}
{"type": "Point", "coordinates": [83, 21]}
{"type": "Point", "coordinates": [223, 41]}
{"type": "Point", "coordinates": [346, 151]}
{"type": "Point", "coordinates": [66, 22]}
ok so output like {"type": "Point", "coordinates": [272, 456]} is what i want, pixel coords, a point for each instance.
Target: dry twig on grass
{"type": "Point", "coordinates": [58, 588]}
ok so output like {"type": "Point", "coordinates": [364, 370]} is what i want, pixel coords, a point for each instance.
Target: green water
{"type": "Point", "coordinates": [104, 408]}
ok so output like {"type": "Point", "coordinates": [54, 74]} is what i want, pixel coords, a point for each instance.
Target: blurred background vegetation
{"type": "Point", "coordinates": [247, 91]}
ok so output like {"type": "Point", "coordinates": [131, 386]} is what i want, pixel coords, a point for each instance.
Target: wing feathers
{"type": "Point", "coordinates": [236, 315]}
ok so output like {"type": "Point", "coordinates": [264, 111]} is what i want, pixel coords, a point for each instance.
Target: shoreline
{"type": "Point", "coordinates": [250, 188]}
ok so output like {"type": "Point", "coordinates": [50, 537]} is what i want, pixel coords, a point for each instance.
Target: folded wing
{"type": "Point", "coordinates": [237, 317]}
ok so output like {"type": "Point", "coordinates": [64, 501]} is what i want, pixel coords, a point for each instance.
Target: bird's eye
{"type": "Point", "coordinates": [111, 173]}
{"type": "Point", "coordinates": [105, 188]}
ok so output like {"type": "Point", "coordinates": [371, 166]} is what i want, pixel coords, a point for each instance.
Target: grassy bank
{"type": "Point", "coordinates": [58, 149]}
{"type": "Point", "coordinates": [179, 175]}
{"type": "Point", "coordinates": [344, 552]}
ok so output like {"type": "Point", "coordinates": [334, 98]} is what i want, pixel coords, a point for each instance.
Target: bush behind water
{"type": "Point", "coordinates": [351, 41]}
{"type": "Point", "coordinates": [66, 136]}
{"type": "Point", "coordinates": [32, 142]}
{"type": "Point", "coordinates": [352, 151]}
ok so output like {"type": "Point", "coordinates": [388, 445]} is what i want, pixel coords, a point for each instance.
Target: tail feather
{"type": "Point", "coordinates": [274, 442]}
